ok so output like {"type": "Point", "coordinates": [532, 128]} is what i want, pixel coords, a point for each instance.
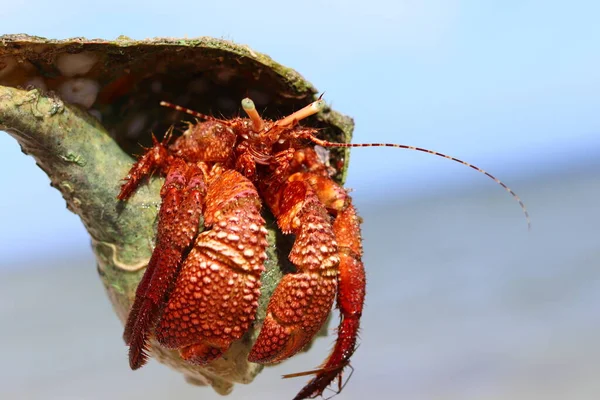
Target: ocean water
{"type": "Point", "coordinates": [463, 303]}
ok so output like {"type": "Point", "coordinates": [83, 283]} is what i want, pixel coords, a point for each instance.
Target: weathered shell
{"type": "Point", "coordinates": [121, 82]}
{"type": "Point", "coordinates": [50, 88]}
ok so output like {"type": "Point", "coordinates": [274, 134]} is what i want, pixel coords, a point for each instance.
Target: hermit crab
{"type": "Point", "coordinates": [224, 171]}
{"type": "Point", "coordinates": [223, 247]}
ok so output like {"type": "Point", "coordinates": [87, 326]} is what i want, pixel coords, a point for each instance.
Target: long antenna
{"type": "Point", "coordinates": [190, 112]}
{"type": "Point", "coordinates": [326, 143]}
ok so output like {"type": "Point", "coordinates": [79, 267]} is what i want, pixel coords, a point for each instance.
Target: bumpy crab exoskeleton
{"type": "Point", "coordinates": [200, 290]}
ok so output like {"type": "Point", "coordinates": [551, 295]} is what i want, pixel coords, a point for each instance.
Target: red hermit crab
{"type": "Point", "coordinates": [200, 290]}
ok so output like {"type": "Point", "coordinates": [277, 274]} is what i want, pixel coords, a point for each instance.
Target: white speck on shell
{"type": "Point", "coordinates": [76, 64]}
{"type": "Point", "coordinates": [79, 91]}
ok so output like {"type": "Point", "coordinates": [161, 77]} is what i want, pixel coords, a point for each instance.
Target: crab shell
{"type": "Point", "coordinates": [107, 93]}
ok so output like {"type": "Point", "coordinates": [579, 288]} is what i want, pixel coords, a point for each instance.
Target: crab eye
{"type": "Point", "coordinates": [248, 104]}
{"type": "Point", "coordinates": [318, 105]}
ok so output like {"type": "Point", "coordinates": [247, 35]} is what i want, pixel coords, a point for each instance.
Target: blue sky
{"type": "Point", "coordinates": [512, 86]}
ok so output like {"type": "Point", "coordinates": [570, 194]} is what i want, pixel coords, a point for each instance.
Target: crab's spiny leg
{"type": "Point", "coordinates": [182, 201]}
{"type": "Point", "coordinates": [250, 109]}
{"type": "Point", "coordinates": [154, 260]}
{"type": "Point", "coordinates": [351, 279]}
{"type": "Point", "coordinates": [311, 109]}
{"type": "Point", "coordinates": [155, 158]}
{"type": "Point", "coordinates": [350, 299]}
{"type": "Point", "coordinates": [326, 143]}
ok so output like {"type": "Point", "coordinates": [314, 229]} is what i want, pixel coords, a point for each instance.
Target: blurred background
{"type": "Point", "coordinates": [463, 302]}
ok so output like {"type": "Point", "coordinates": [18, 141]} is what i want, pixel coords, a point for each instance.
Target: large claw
{"type": "Point", "coordinates": [303, 300]}
{"type": "Point", "coordinates": [215, 297]}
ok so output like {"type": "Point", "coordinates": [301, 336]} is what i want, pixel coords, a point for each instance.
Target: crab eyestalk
{"type": "Point", "coordinates": [313, 108]}
{"type": "Point", "coordinates": [250, 109]}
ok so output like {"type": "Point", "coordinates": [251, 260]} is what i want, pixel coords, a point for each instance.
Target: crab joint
{"type": "Point", "coordinates": [257, 122]}
{"type": "Point", "coordinates": [311, 109]}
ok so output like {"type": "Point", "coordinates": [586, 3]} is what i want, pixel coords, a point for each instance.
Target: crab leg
{"type": "Point", "coordinates": [350, 299]}
{"type": "Point", "coordinates": [182, 201]}
{"type": "Point", "coordinates": [351, 279]}
{"type": "Point", "coordinates": [156, 158]}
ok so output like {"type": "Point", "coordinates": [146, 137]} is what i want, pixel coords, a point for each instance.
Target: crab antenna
{"type": "Point", "coordinates": [326, 143]}
{"type": "Point", "coordinates": [257, 122]}
{"type": "Point", "coordinates": [187, 111]}
{"type": "Point", "coordinates": [305, 112]}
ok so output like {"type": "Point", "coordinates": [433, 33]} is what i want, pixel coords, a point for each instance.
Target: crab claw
{"type": "Point", "coordinates": [303, 300]}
